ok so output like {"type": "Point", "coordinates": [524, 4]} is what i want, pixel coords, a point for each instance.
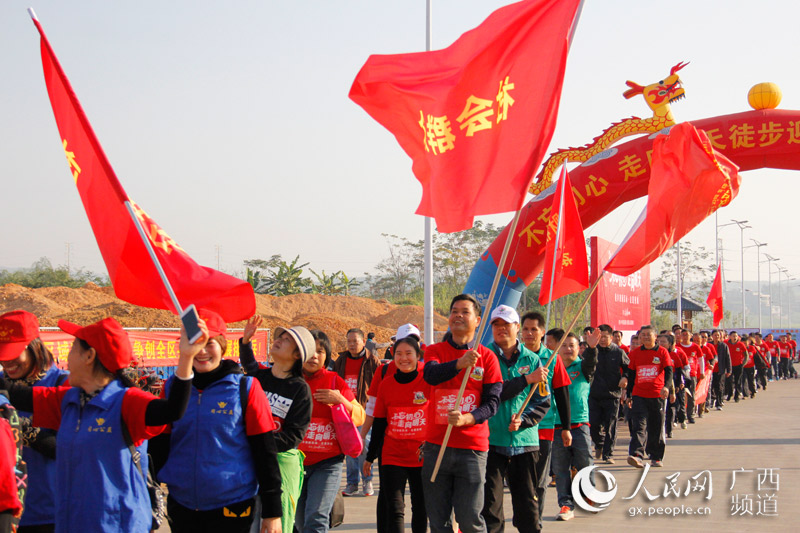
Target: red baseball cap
{"type": "Point", "coordinates": [215, 323]}
{"type": "Point", "coordinates": [107, 338]}
{"type": "Point", "coordinates": [17, 329]}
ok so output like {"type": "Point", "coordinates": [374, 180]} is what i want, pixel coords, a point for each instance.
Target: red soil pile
{"type": "Point", "coordinates": [332, 314]}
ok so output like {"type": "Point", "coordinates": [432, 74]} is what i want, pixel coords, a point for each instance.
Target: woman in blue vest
{"type": "Point", "coordinates": [223, 450]}
{"type": "Point", "coordinates": [99, 486]}
{"type": "Point", "coordinates": [33, 365]}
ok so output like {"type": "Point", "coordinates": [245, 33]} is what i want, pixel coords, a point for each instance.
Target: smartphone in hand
{"type": "Point", "coordinates": [189, 317]}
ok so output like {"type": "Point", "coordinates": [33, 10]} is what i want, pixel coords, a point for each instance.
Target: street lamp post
{"type": "Point", "coordinates": [758, 246]}
{"type": "Point", "coordinates": [770, 260]}
{"type": "Point", "coordinates": [742, 226]}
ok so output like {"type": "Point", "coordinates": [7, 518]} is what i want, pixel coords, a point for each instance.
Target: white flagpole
{"type": "Point", "coordinates": [153, 257]}
{"type": "Point", "coordinates": [555, 252]}
{"type": "Point", "coordinates": [428, 250]}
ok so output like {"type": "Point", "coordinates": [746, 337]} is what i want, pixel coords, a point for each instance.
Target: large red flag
{"type": "Point", "coordinates": [569, 249]}
{"type": "Point", "coordinates": [689, 180]}
{"type": "Point", "coordinates": [714, 299]}
{"type": "Point", "coordinates": [476, 117]}
{"type": "Point", "coordinates": [130, 268]}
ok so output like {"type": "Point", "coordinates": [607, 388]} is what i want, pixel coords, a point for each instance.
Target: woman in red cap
{"type": "Point", "coordinates": [26, 359]}
{"type": "Point", "coordinates": [324, 457]}
{"type": "Point", "coordinates": [99, 486]}
{"type": "Point", "coordinates": [289, 400]}
{"type": "Point", "coordinates": [223, 451]}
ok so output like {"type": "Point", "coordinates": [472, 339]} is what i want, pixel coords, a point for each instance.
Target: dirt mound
{"type": "Point", "coordinates": [332, 314]}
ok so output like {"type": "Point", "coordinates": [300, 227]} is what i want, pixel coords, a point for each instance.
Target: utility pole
{"type": "Point", "coordinates": [68, 247]}
{"type": "Point", "coordinates": [770, 260]}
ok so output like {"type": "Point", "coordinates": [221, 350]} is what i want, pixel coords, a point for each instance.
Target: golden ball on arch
{"type": "Point", "coordinates": [765, 95]}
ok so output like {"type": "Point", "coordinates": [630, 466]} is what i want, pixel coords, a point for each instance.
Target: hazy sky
{"type": "Point", "coordinates": [229, 122]}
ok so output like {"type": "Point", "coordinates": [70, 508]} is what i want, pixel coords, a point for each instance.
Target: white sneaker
{"type": "Point", "coordinates": [368, 490]}
{"type": "Point", "coordinates": [565, 514]}
{"type": "Point", "coordinates": [350, 490]}
{"type": "Point", "coordinates": [683, 425]}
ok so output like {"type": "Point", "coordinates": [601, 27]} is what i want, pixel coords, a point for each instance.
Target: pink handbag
{"type": "Point", "coordinates": [346, 431]}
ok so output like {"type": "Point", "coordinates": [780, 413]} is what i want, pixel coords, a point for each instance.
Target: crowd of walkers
{"type": "Point", "coordinates": [243, 446]}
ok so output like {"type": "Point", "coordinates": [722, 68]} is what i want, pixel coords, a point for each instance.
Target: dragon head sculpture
{"type": "Point", "coordinates": [659, 95]}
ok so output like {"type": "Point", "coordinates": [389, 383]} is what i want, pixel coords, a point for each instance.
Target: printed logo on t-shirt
{"type": "Point", "coordinates": [320, 437]}
{"type": "Point", "coordinates": [524, 369]}
{"type": "Point", "coordinates": [352, 382]}
{"type": "Point", "coordinates": [406, 423]}
{"type": "Point", "coordinates": [647, 373]}
{"type": "Point", "coordinates": [419, 397]}
{"type": "Point", "coordinates": [446, 401]}
{"type": "Point", "coordinates": [477, 373]}
{"type": "Point", "coordinates": [656, 360]}
{"type": "Point", "coordinates": [279, 405]}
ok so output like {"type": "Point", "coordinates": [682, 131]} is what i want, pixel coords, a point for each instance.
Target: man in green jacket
{"type": "Point", "coordinates": [514, 440]}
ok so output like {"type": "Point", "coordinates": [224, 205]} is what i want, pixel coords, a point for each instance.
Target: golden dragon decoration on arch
{"type": "Point", "coordinates": [658, 96]}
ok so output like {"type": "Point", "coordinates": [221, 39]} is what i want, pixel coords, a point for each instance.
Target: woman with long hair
{"type": "Point", "coordinates": [324, 457]}
{"type": "Point", "coordinates": [28, 361]}
{"type": "Point", "coordinates": [99, 486]}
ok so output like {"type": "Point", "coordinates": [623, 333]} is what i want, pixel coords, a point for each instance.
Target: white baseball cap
{"type": "Point", "coordinates": [407, 330]}
{"type": "Point", "coordinates": [509, 314]}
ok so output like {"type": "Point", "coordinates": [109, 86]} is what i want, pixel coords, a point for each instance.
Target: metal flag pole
{"type": "Point", "coordinates": [428, 249]}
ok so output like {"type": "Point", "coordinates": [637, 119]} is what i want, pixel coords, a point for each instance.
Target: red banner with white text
{"type": "Point", "coordinates": [622, 302]}
{"type": "Point", "coordinates": [154, 348]}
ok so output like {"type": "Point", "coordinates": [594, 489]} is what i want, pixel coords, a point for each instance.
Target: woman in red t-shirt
{"type": "Point", "coordinates": [398, 431]}
{"type": "Point", "coordinates": [324, 457]}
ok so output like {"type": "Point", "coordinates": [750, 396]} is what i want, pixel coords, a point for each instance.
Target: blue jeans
{"type": "Point", "coordinates": [355, 466]}
{"type": "Point", "coordinates": [322, 481]}
{"type": "Point", "coordinates": [578, 455]}
{"type": "Point", "coordinates": [458, 487]}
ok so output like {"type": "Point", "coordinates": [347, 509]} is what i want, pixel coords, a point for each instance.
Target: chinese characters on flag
{"type": "Point", "coordinates": [476, 117]}
{"type": "Point", "coordinates": [132, 273]}
{"type": "Point", "coordinates": [565, 247]}
{"type": "Point", "coordinates": [714, 299]}
{"type": "Point", "coordinates": [689, 180]}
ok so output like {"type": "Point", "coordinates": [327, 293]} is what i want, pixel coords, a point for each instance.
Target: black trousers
{"type": "Point", "coordinates": [647, 419]}
{"type": "Point", "coordinates": [603, 424]}
{"type": "Point", "coordinates": [541, 473]}
{"type": "Point", "coordinates": [784, 370]}
{"type": "Point", "coordinates": [520, 472]}
{"type": "Point", "coordinates": [717, 383]}
{"type": "Point", "coordinates": [750, 380]}
{"type": "Point", "coordinates": [737, 381]}
{"type": "Point", "coordinates": [691, 387]}
{"type": "Point", "coordinates": [393, 487]}
{"type": "Point", "coordinates": [235, 518]}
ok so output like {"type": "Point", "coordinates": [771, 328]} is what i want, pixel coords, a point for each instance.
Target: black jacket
{"type": "Point", "coordinates": [612, 365]}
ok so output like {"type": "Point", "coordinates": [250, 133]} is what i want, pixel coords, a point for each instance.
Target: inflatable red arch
{"type": "Point", "coordinates": [768, 138]}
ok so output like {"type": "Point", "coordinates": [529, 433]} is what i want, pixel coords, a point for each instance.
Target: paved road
{"type": "Point", "coordinates": [754, 435]}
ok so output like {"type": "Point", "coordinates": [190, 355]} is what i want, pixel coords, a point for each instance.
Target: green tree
{"type": "Point", "coordinates": [697, 274]}
{"type": "Point", "coordinates": [327, 283]}
{"type": "Point", "coordinates": [43, 274]}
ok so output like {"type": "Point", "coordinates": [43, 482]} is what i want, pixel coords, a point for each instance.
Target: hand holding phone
{"type": "Point", "coordinates": [190, 319]}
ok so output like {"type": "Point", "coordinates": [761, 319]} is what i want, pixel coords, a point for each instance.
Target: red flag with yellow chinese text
{"type": "Point", "coordinates": [689, 180]}
{"type": "Point", "coordinates": [714, 299]}
{"type": "Point", "coordinates": [565, 247]}
{"type": "Point", "coordinates": [132, 273]}
{"type": "Point", "coordinates": [476, 117]}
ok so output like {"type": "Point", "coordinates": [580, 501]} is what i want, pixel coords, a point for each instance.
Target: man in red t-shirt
{"type": "Point", "coordinates": [649, 385]}
{"type": "Point", "coordinates": [775, 361]}
{"type": "Point", "coordinates": [617, 336]}
{"type": "Point", "coordinates": [792, 355]}
{"type": "Point", "coordinates": [739, 357]}
{"type": "Point", "coordinates": [785, 356]}
{"type": "Point", "coordinates": [459, 482]}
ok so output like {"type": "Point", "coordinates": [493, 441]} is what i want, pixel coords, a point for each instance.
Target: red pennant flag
{"type": "Point", "coordinates": [689, 180]}
{"type": "Point", "coordinates": [714, 299]}
{"type": "Point", "coordinates": [476, 117]}
{"type": "Point", "coordinates": [133, 275]}
{"type": "Point", "coordinates": [569, 248]}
